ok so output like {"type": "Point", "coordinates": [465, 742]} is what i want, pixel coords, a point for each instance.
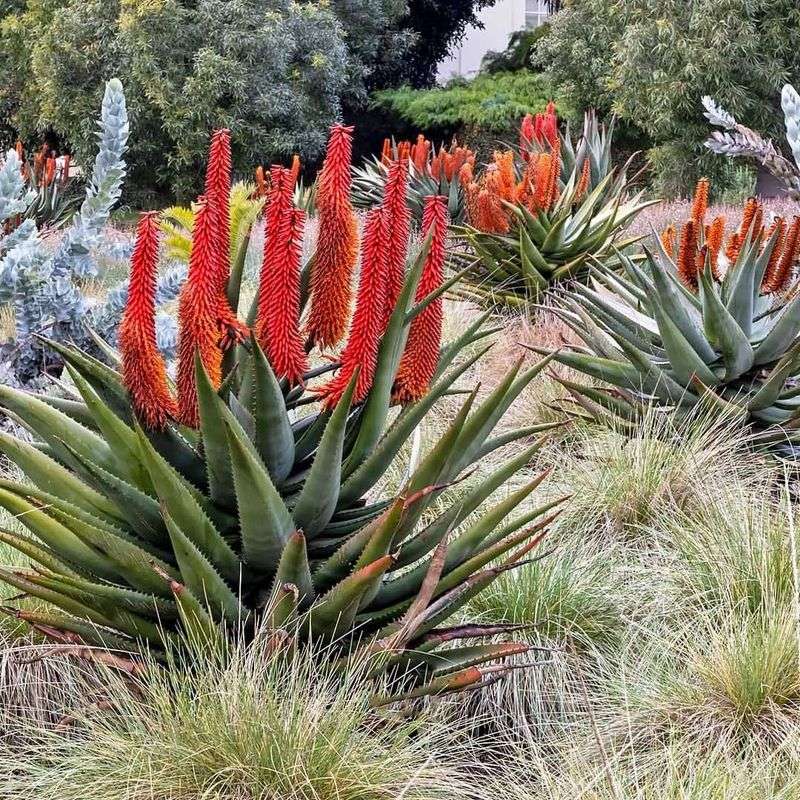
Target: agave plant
{"type": "Point", "coordinates": [248, 494]}
{"type": "Point", "coordinates": [432, 171]}
{"type": "Point", "coordinates": [710, 319]}
{"type": "Point", "coordinates": [544, 213]}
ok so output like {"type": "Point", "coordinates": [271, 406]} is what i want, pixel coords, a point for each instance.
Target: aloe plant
{"type": "Point", "coordinates": [249, 496]}
{"type": "Point", "coordinates": [711, 319]}
{"type": "Point", "coordinates": [542, 214]}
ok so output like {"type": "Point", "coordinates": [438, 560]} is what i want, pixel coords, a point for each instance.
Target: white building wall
{"type": "Point", "coordinates": [499, 22]}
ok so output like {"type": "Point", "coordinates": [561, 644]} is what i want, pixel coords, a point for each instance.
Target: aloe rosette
{"type": "Point", "coordinates": [542, 214]}
{"type": "Point", "coordinates": [699, 323]}
{"type": "Point", "coordinates": [248, 493]}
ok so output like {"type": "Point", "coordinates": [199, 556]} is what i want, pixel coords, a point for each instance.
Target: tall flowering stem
{"type": "Point", "coordinates": [700, 201]}
{"type": "Point", "coordinates": [198, 319]}
{"type": "Point", "coordinates": [284, 343]}
{"type": "Point", "coordinates": [361, 350]}
{"type": "Point", "coordinates": [143, 371]}
{"type": "Point", "coordinates": [687, 255]}
{"type": "Point", "coordinates": [421, 355]}
{"type": "Point", "coordinates": [337, 244]}
{"type": "Point", "coordinates": [279, 205]}
{"type": "Point", "coordinates": [397, 217]}
{"type": "Point", "coordinates": [218, 192]}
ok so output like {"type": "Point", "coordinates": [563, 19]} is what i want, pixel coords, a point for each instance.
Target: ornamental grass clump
{"type": "Point", "coordinates": [712, 319]}
{"type": "Point", "coordinates": [244, 494]}
{"type": "Point", "coordinates": [543, 213]}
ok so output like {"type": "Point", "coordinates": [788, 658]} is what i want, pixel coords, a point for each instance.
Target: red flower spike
{"type": "Point", "coordinates": [527, 134]}
{"type": "Point", "coordinates": [398, 220]}
{"type": "Point", "coordinates": [278, 209]}
{"type": "Point", "coordinates": [361, 350]}
{"type": "Point", "coordinates": [218, 193]}
{"type": "Point", "coordinates": [198, 320]}
{"type": "Point", "coordinates": [421, 355]}
{"type": "Point", "coordinates": [285, 349]}
{"type": "Point", "coordinates": [337, 244]}
{"type": "Point", "coordinates": [143, 370]}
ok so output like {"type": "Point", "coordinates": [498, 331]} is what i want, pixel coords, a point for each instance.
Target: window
{"type": "Point", "coordinates": [536, 12]}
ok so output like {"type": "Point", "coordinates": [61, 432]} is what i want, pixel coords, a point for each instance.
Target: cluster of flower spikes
{"type": "Point", "coordinates": [541, 129]}
{"type": "Point", "coordinates": [446, 162]}
{"type": "Point", "coordinates": [208, 326]}
{"type": "Point", "coordinates": [262, 177]}
{"type": "Point", "coordinates": [384, 250]}
{"type": "Point", "coordinates": [700, 241]}
{"type": "Point", "coordinates": [537, 188]}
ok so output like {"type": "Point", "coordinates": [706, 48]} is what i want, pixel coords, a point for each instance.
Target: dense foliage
{"type": "Point", "coordinates": [489, 102]}
{"type": "Point", "coordinates": [433, 26]}
{"type": "Point", "coordinates": [651, 62]}
{"type": "Point", "coordinates": [276, 73]}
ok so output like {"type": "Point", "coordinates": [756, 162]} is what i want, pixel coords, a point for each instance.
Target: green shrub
{"type": "Point", "coordinates": [492, 103]}
{"type": "Point", "coordinates": [275, 73]}
{"type": "Point", "coordinates": [652, 61]}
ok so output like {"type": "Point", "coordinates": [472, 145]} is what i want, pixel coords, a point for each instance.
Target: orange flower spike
{"type": "Point", "coordinates": [49, 171]}
{"type": "Point", "coordinates": [700, 261]}
{"type": "Point", "coordinates": [785, 270]}
{"type": "Point", "coordinates": [700, 201]}
{"type": "Point", "coordinates": [20, 150]}
{"type": "Point", "coordinates": [687, 255]}
{"type": "Point", "coordinates": [386, 152]}
{"type": "Point", "coordinates": [668, 241]}
{"type": "Point", "coordinates": [363, 341]}
{"type": "Point", "coordinates": [294, 170]}
{"type": "Point", "coordinates": [261, 183]}
{"type": "Point", "coordinates": [421, 355]}
{"type": "Point", "coordinates": [506, 177]}
{"type": "Point", "coordinates": [734, 245]}
{"type": "Point", "coordinates": [553, 190]}
{"type": "Point", "coordinates": [770, 280]}
{"type": "Point", "coordinates": [750, 210]}
{"type": "Point", "coordinates": [285, 349]}
{"type": "Point", "coordinates": [398, 221]}
{"type": "Point", "coordinates": [583, 183]}
{"type": "Point", "coordinates": [337, 244]}
{"type": "Point", "coordinates": [541, 182]}
{"type": "Point", "coordinates": [198, 321]}
{"type": "Point", "coordinates": [65, 170]}
{"type": "Point", "coordinates": [419, 154]}
{"type": "Point", "coordinates": [143, 371]}
{"type": "Point", "coordinates": [715, 234]}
